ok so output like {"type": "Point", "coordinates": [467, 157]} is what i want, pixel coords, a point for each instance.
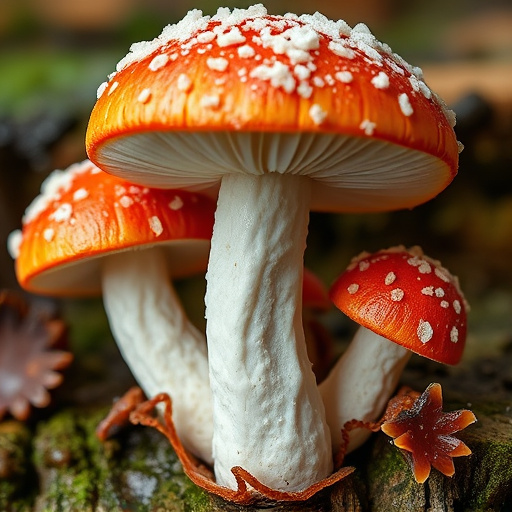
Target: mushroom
{"type": "Point", "coordinates": [284, 114]}
{"type": "Point", "coordinates": [319, 343]}
{"type": "Point", "coordinates": [89, 232]}
{"type": "Point", "coordinates": [405, 302]}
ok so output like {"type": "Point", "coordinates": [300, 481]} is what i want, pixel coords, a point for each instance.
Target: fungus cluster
{"type": "Point", "coordinates": [275, 116]}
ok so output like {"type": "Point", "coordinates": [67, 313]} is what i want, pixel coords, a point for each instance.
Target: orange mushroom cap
{"type": "Point", "coordinates": [250, 74]}
{"type": "Point", "coordinates": [407, 298]}
{"type": "Point", "coordinates": [84, 214]}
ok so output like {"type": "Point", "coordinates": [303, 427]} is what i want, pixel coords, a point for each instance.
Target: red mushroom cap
{"type": "Point", "coordinates": [388, 140]}
{"type": "Point", "coordinates": [407, 298]}
{"type": "Point", "coordinates": [315, 295]}
{"type": "Point", "coordinates": [84, 214]}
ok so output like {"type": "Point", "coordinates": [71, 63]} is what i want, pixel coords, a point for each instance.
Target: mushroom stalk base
{"type": "Point", "coordinates": [164, 351]}
{"type": "Point", "coordinates": [268, 414]}
{"type": "Point", "coordinates": [361, 383]}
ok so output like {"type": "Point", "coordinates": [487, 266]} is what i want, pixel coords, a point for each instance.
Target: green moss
{"type": "Point", "coordinates": [61, 458]}
{"type": "Point", "coordinates": [16, 473]}
{"type": "Point", "coordinates": [489, 466]}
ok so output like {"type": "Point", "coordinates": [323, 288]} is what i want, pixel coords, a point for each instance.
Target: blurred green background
{"type": "Point", "coordinates": [55, 53]}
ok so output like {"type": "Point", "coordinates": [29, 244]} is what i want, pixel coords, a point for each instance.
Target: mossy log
{"type": "Point", "coordinates": [60, 466]}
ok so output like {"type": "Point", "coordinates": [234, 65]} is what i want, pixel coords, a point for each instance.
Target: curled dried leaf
{"type": "Point", "coordinates": [119, 415]}
{"type": "Point", "coordinates": [249, 489]}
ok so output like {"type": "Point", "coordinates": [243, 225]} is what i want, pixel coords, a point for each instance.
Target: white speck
{"type": "Point", "coordinates": [48, 234]}
{"type": "Point", "coordinates": [329, 80]}
{"type": "Point", "coordinates": [119, 190]}
{"type": "Point", "coordinates": [304, 90]}
{"type": "Point", "coordinates": [353, 288]}
{"type": "Point", "coordinates": [301, 72]}
{"type": "Point", "coordinates": [278, 74]}
{"type": "Point", "coordinates": [424, 268]}
{"type": "Point", "coordinates": [206, 37]}
{"type": "Point", "coordinates": [364, 265]}
{"type": "Point", "coordinates": [296, 42]}
{"type": "Point", "coordinates": [62, 213]}
{"type": "Point", "coordinates": [368, 127]}
{"type": "Point", "coordinates": [101, 90]}
{"type": "Point", "coordinates": [390, 278]}
{"type": "Point", "coordinates": [158, 62]}
{"type": "Point", "coordinates": [341, 50]}
{"type": "Point", "coordinates": [442, 274]}
{"type": "Point", "coordinates": [176, 203]}
{"type": "Point", "coordinates": [405, 105]}
{"type": "Point", "coordinates": [156, 225]}
{"type": "Point", "coordinates": [454, 334]}
{"type": "Point", "coordinates": [184, 83]}
{"type": "Point", "coordinates": [381, 81]}
{"type": "Point", "coordinates": [457, 306]}
{"type": "Point", "coordinates": [134, 189]}
{"type": "Point", "coordinates": [428, 290]}
{"type": "Point", "coordinates": [439, 292]}
{"type": "Point", "coordinates": [420, 86]}
{"type": "Point", "coordinates": [144, 95]}
{"type": "Point", "coordinates": [220, 81]}
{"type": "Point", "coordinates": [126, 201]}
{"type": "Point", "coordinates": [445, 304]}
{"type": "Point", "coordinates": [210, 101]}
{"type": "Point", "coordinates": [414, 261]}
{"type": "Point", "coordinates": [424, 331]}
{"type": "Point", "coordinates": [246, 51]}
{"type": "Point", "coordinates": [397, 295]}
{"type": "Point", "coordinates": [79, 194]}
{"type": "Point", "coordinates": [234, 36]}
{"type": "Point", "coordinates": [113, 87]}
{"type": "Point", "coordinates": [242, 72]}
{"type": "Point", "coordinates": [217, 64]}
{"type": "Point", "coordinates": [318, 82]}
{"type": "Point", "coordinates": [317, 114]}
{"type": "Point", "coordinates": [344, 77]}
{"type": "Point", "coordinates": [13, 243]}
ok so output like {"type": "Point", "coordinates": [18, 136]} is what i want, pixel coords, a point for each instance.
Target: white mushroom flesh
{"type": "Point", "coordinates": [164, 351]}
{"type": "Point", "coordinates": [268, 414]}
{"type": "Point", "coordinates": [361, 383]}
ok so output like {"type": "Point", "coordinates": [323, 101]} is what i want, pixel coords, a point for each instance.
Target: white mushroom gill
{"type": "Point", "coordinates": [145, 313]}
{"type": "Point", "coordinates": [268, 414]}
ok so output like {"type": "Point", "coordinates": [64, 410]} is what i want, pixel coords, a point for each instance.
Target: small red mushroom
{"type": "Point", "coordinates": [397, 295]}
{"type": "Point", "coordinates": [319, 343]}
{"type": "Point", "coordinates": [424, 433]}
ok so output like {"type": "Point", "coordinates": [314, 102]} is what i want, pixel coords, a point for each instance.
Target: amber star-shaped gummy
{"type": "Point", "coordinates": [28, 356]}
{"type": "Point", "coordinates": [424, 432]}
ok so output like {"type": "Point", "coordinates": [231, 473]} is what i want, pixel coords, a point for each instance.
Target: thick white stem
{"type": "Point", "coordinates": [361, 383]}
{"type": "Point", "coordinates": [268, 413]}
{"type": "Point", "coordinates": [164, 351]}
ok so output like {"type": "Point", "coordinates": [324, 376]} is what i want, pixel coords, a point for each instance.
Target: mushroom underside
{"type": "Point", "coordinates": [348, 173]}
